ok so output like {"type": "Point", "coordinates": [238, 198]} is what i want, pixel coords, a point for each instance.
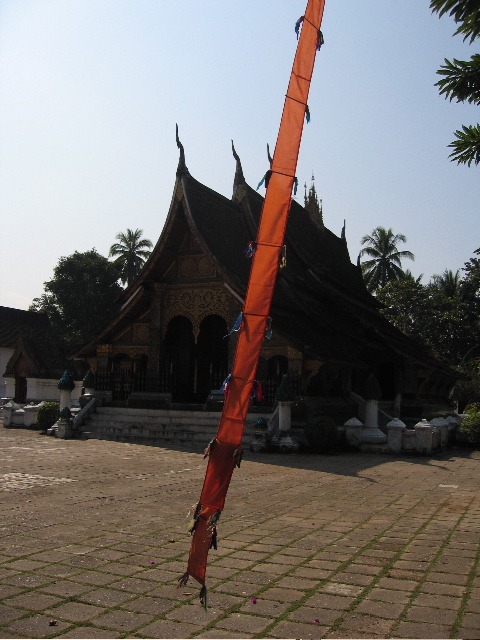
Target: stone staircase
{"type": "Point", "coordinates": [162, 427]}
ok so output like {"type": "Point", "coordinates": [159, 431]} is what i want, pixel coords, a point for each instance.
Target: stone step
{"type": "Point", "coordinates": [215, 415]}
{"type": "Point", "coordinates": [149, 426]}
{"type": "Point", "coordinates": [156, 420]}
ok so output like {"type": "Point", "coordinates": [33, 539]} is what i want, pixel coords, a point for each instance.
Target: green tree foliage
{"type": "Point", "coordinates": [444, 315]}
{"type": "Point", "coordinates": [445, 324]}
{"type": "Point", "coordinates": [460, 78]}
{"type": "Point", "coordinates": [386, 260]}
{"type": "Point", "coordinates": [449, 283]}
{"type": "Point", "coordinates": [408, 275]}
{"type": "Point", "coordinates": [80, 297]}
{"type": "Point", "coordinates": [132, 251]}
{"type": "Point", "coordinates": [470, 426]}
{"type": "Point", "coordinates": [472, 281]}
{"type": "Point", "coordinates": [467, 391]}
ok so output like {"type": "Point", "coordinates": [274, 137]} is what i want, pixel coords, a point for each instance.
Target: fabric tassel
{"type": "Point", "coordinates": [283, 257]}
{"type": "Point", "coordinates": [268, 329]}
{"type": "Point", "coordinates": [297, 25]}
{"type": "Point", "coordinates": [265, 179]}
{"type": "Point", "coordinates": [192, 525]}
{"type": "Point", "coordinates": [214, 519]}
{"type": "Point", "coordinates": [261, 182]}
{"type": "Point", "coordinates": [236, 326]}
{"type": "Point", "coordinates": [203, 597]}
{"type": "Point", "coordinates": [209, 448]}
{"type": "Point", "coordinates": [307, 114]}
{"type": "Point", "coordinates": [250, 250]}
{"type": "Point", "coordinates": [320, 40]}
{"type": "Point", "coordinates": [225, 384]}
{"type": "Point", "coordinates": [295, 186]}
{"type": "Point", "coordinates": [194, 511]}
{"type": "Point", "coordinates": [257, 390]}
{"type": "Point", "coordinates": [213, 539]}
{"type": "Point", "coordinates": [237, 457]}
{"type": "Point", "coordinates": [183, 580]}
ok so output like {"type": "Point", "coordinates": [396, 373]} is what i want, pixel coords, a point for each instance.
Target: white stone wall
{"type": "Point", "coordinates": [43, 389]}
{"type": "Point", "coordinates": [39, 389]}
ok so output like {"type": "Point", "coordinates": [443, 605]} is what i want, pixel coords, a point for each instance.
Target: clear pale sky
{"type": "Point", "coordinates": [90, 91]}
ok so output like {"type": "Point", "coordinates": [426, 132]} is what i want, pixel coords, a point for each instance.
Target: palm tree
{"type": "Point", "coordinates": [386, 262]}
{"type": "Point", "coordinates": [407, 276]}
{"type": "Point", "coordinates": [131, 252]}
{"type": "Point", "coordinates": [449, 283]}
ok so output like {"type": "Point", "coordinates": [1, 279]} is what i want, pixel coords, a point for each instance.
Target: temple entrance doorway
{"type": "Point", "coordinates": [196, 368]}
{"type": "Point", "coordinates": [180, 358]}
{"type": "Point", "coordinates": [20, 389]}
{"type": "Point", "coordinates": [212, 356]}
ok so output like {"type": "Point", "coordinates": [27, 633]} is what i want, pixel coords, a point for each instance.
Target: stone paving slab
{"type": "Point", "coordinates": [93, 539]}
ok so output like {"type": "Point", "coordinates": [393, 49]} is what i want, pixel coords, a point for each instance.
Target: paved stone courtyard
{"type": "Point", "coordinates": [93, 536]}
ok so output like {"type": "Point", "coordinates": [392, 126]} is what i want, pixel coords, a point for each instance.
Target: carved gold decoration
{"type": "Point", "coordinates": [104, 349]}
{"type": "Point", "coordinates": [205, 267]}
{"type": "Point", "coordinates": [274, 350]}
{"type": "Point", "coordinates": [239, 192]}
{"type": "Point", "coordinates": [131, 352]}
{"type": "Point", "coordinates": [141, 333]}
{"type": "Point", "coordinates": [195, 304]}
{"type": "Point", "coordinates": [188, 267]}
{"type": "Point", "coordinates": [293, 353]}
{"type": "Point", "coordinates": [195, 267]}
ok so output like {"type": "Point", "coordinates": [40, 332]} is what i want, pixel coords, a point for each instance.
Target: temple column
{"type": "Point", "coordinates": [371, 434]}
{"type": "Point", "coordinates": [155, 333]}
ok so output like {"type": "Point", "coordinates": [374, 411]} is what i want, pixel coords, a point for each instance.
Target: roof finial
{"type": "Point", "coordinates": [182, 167]}
{"type": "Point", "coordinates": [239, 170]}
{"type": "Point", "coordinates": [239, 178]}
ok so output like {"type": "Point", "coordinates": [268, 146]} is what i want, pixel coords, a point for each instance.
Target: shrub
{"type": "Point", "coordinates": [321, 434]}
{"type": "Point", "coordinates": [48, 414]}
{"type": "Point", "coordinates": [470, 427]}
{"type": "Point", "coordinates": [474, 407]}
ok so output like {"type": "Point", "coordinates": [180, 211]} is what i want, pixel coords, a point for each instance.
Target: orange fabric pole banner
{"type": "Point", "coordinates": [224, 451]}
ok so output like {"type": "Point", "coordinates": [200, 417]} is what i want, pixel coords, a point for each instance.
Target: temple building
{"type": "Point", "coordinates": [31, 361]}
{"type": "Point", "coordinates": [173, 332]}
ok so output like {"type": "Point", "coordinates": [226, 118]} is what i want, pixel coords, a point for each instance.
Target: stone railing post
{"type": "Point", "coordinates": [353, 432]}
{"type": "Point", "coordinates": [7, 414]}
{"type": "Point", "coordinates": [66, 385]}
{"type": "Point", "coordinates": [284, 415]}
{"type": "Point", "coordinates": [423, 439]}
{"type": "Point", "coordinates": [371, 434]}
{"type": "Point", "coordinates": [395, 432]}
{"type": "Point", "coordinates": [442, 425]}
{"type": "Point", "coordinates": [30, 416]}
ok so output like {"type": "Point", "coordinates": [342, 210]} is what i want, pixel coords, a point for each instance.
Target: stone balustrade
{"type": "Point", "coordinates": [423, 439]}
{"type": "Point", "coordinates": [15, 415]}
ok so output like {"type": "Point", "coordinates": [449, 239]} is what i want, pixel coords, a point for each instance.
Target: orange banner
{"type": "Point", "coordinates": [225, 449]}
